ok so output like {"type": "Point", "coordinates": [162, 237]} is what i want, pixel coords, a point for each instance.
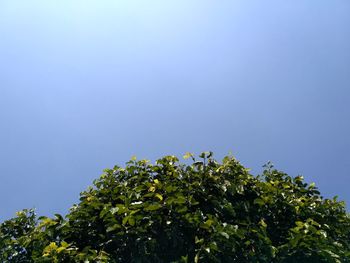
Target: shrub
{"type": "Point", "coordinates": [200, 211]}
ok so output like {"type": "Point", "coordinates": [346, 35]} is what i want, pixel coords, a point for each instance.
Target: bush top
{"type": "Point", "coordinates": [201, 211]}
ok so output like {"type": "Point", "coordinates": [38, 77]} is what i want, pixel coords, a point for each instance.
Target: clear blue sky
{"type": "Point", "coordinates": [87, 84]}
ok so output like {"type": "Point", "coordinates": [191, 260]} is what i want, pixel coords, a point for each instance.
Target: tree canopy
{"type": "Point", "coordinates": [200, 210]}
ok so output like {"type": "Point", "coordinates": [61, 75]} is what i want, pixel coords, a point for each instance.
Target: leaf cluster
{"type": "Point", "coordinates": [202, 211]}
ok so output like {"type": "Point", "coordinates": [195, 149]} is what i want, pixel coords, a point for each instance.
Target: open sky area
{"type": "Point", "coordinates": [86, 84]}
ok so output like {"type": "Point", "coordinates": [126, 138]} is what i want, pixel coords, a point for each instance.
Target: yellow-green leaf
{"type": "Point", "coordinates": [159, 196]}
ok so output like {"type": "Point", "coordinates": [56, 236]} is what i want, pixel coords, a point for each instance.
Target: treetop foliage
{"type": "Point", "coordinates": [198, 211]}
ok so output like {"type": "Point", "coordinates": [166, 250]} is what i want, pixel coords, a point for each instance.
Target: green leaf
{"type": "Point", "coordinates": [224, 234]}
{"type": "Point", "coordinates": [114, 210]}
{"type": "Point", "coordinates": [182, 209]}
{"type": "Point", "coordinates": [114, 227]}
{"type": "Point", "coordinates": [188, 155]}
{"type": "Point", "coordinates": [259, 201]}
{"type": "Point", "coordinates": [131, 221]}
{"type": "Point", "coordinates": [159, 196]}
{"type": "Point", "coordinates": [125, 220]}
{"type": "Point", "coordinates": [153, 207]}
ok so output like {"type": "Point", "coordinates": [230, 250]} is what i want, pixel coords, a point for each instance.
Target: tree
{"type": "Point", "coordinates": [200, 211]}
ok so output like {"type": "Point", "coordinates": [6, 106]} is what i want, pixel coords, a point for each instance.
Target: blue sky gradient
{"type": "Point", "coordinates": [85, 85]}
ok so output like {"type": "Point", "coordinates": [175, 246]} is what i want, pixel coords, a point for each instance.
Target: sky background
{"type": "Point", "coordinates": [85, 84]}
